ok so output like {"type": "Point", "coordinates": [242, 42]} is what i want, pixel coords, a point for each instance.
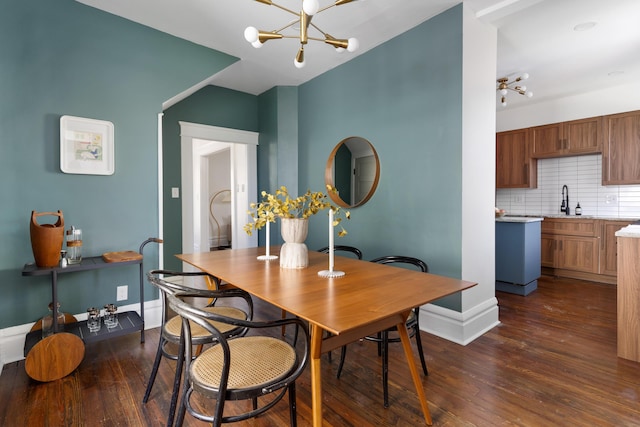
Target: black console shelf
{"type": "Point", "coordinates": [91, 263]}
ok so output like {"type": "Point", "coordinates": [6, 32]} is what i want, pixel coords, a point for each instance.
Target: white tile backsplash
{"type": "Point", "coordinates": [583, 176]}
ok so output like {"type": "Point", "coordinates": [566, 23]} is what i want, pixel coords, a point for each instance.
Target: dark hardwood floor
{"type": "Point", "coordinates": [551, 362]}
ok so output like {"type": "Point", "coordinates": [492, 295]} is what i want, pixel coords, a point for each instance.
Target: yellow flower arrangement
{"type": "Point", "coordinates": [284, 206]}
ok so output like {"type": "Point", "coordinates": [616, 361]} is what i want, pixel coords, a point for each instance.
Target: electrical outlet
{"type": "Point", "coordinates": [611, 199]}
{"type": "Point", "coordinates": [122, 293]}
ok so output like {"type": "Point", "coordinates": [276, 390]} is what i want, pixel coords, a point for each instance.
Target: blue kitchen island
{"type": "Point", "coordinates": [518, 254]}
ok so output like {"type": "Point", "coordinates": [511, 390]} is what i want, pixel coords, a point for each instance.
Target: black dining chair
{"type": "Point", "coordinates": [171, 282]}
{"type": "Point", "coordinates": [413, 327]}
{"type": "Point", "coordinates": [253, 366]}
{"type": "Point", "coordinates": [343, 248]}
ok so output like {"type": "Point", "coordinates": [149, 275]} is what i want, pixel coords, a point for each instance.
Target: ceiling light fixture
{"type": "Point", "coordinates": [504, 86]}
{"type": "Point", "coordinates": [310, 8]}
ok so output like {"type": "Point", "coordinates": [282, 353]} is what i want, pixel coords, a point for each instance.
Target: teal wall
{"type": "Point", "coordinates": [211, 105]}
{"type": "Point", "coordinates": [278, 146]}
{"type": "Point", "coordinates": [405, 98]}
{"type": "Point", "coordinates": [64, 58]}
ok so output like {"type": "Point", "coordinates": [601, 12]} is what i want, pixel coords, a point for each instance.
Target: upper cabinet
{"type": "Point", "coordinates": [514, 166]}
{"type": "Point", "coordinates": [621, 151]}
{"type": "Point", "coordinates": [567, 138]}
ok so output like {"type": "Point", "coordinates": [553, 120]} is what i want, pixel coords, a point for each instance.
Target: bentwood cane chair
{"type": "Point", "coordinates": [413, 327]}
{"type": "Point", "coordinates": [244, 368]}
{"type": "Point", "coordinates": [170, 282]}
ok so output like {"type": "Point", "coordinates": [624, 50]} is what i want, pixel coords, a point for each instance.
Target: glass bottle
{"type": "Point", "coordinates": [47, 321]}
{"type": "Point", "coordinates": [74, 245]}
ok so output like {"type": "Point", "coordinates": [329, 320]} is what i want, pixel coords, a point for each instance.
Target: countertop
{"type": "Point", "coordinates": [632, 230]}
{"type": "Point", "coordinates": [525, 219]}
{"type": "Point", "coordinates": [563, 216]}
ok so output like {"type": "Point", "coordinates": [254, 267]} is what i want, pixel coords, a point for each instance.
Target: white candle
{"type": "Point", "coordinates": [330, 239]}
{"type": "Point", "coordinates": [268, 239]}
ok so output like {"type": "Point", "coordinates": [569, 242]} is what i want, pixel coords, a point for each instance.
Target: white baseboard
{"type": "Point", "coordinates": [461, 328]}
{"type": "Point", "coordinates": [12, 338]}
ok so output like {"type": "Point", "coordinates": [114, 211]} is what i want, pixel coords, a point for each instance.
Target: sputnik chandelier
{"type": "Point", "coordinates": [504, 86]}
{"type": "Point", "coordinates": [310, 8]}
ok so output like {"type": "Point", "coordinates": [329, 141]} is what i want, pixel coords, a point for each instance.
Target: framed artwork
{"type": "Point", "coordinates": [86, 146]}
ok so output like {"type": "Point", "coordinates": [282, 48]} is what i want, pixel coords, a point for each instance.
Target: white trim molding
{"type": "Point", "coordinates": [461, 328]}
{"type": "Point", "coordinates": [216, 133]}
{"type": "Point", "coordinates": [196, 142]}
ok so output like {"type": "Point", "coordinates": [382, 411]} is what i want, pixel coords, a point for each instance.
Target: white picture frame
{"type": "Point", "coordinates": [86, 146]}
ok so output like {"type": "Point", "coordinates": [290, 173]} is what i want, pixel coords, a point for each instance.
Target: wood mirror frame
{"type": "Point", "coordinates": [349, 151]}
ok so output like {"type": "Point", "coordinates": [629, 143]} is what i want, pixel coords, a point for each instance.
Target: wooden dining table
{"type": "Point", "coordinates": [369, 298]}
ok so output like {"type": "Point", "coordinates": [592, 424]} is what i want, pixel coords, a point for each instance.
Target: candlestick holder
{"type": "Point", "coordinates": [267, 256]}
{"type": "Point", "coordinates": [330, 272]}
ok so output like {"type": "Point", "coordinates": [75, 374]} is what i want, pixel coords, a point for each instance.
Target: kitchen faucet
{"type": "Point", "coordinates": [564, 207]}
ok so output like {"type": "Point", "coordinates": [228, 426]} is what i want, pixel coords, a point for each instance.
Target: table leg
{"type": "Point", "coordinates": [411, 361]}
{"type": "Point", "coordinates": [316, 374]}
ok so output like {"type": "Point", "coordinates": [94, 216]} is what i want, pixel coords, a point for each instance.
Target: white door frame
{"type": "Point", "coordinates": [196, 142]}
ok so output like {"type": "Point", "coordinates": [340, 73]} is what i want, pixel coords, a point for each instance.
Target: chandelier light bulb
{"type": "Point", "coordinates": [504, 101]}
{"type": "Point", "coordinates": [503, 92]}
{"type": "Point", "coordinates": [525, 76]}
{"type": "Point", "coordinates": [524, 88]}
{"type": "Point", "coordinates": [529, 94]}
{"type": "Point", "coordinates": [340, 49]}
{"type": "Point", "coordinates": [251, 34]}
{"type": "Point", "coordinates": [353, 45]}
{"type": "Point", "coordinates": [310, 7]}
{"type": "Point", "coordinates": [257, 44]}
{"type": "Point", "coordinates": [298, 64]}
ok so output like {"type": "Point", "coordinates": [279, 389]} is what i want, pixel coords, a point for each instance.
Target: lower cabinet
{"type": "Point", "coordinates": [571, 253]}
{"type": "Point", "coordinates": [580, 248]}
{"type": "Point", "coordinates": [579, 254]}
{"type": "Point", "coordinates": [609, 247]}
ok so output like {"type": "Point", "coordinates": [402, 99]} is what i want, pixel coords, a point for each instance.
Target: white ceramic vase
{"type": "Point", "coordinates": [294, 253]}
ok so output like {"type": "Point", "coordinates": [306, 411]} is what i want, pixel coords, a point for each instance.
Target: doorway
{"type": "Point", "coordinates": [198, 143]}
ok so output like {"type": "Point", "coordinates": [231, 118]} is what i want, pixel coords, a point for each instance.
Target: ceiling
{"type": "Point", "coordinates": [534, 36]}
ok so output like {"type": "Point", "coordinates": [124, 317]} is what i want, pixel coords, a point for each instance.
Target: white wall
{"type": "Point", "coordinates": [582, 174]}
{"type": "Point", "coordinates": [591, 104]}
{"type": "Point", "coordinates": [479, 305]}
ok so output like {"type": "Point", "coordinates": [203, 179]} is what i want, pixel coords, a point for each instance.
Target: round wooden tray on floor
{"type": "Point", "coordinates": [54, 357]}
{"type": "Point", "coordinates": [68, 319]}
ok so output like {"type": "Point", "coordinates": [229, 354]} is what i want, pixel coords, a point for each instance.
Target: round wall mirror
{"type": "Point", "coordinates": [353, 169]}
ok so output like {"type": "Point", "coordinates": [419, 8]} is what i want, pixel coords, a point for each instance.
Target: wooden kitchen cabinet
{"type": "Point", "coordinates": [580, 248]}
{"type": "Point", "coordinates": [571, 138]}
{"type": "Point", "coordinates": [579, 254]}
{"type": "Point", "coordinates": [627, 298]}
{"type": "Point", "coordinates": [548, 250]}
{"type": "Point", "coordinates": [514, 166]}
{"type": "Point", "coordinates": [609, 246]}
{"type": "Point", "coordinates": [570, 245]}
{"type": "Point", "coordinates": [621, 149]}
